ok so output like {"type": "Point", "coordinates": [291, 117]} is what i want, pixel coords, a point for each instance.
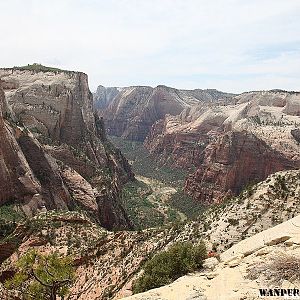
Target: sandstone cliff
{"type": "Point", "coordinates": [130, 112]}
{"type": "Point", "coordinates": [230, 145]}
{"type": "Point", "coordinates": [54, 112]}
{"type": "Point", "coordinates": [229, 164]}
{"type": "Point", "coordinates": [16, 177]}
{"type": "Point", "coordinates": [104, 96]}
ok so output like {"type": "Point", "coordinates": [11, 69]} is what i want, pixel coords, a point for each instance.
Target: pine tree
{"type": "Point", "coordinates": [41, 277]}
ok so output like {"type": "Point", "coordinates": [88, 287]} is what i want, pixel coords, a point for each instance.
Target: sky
{"type": "Point", "coordinates": [230, 45]}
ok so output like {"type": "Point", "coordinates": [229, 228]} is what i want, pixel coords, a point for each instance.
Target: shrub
{"type": "Point", "coordinates": [40, 277]}
{"type": "Point", "coordinates": [169, 265]}
{"type": "Point", "coordinates": [233, 222]}
{"type": "Point", "coordinates": [280, 267]}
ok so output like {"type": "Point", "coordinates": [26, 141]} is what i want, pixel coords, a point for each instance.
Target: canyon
{"type": "Point", "coordinates": [130, 112]}
{"type": "Point", "coordinates": [113, 178]}
{"type": "Point", "coordinates": [223, 141]}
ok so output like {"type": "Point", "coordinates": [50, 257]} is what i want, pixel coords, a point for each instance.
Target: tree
{"type": "Point", "coordinates": [42, 277]}
{"type": "Point", "coordinates": [167, 266]}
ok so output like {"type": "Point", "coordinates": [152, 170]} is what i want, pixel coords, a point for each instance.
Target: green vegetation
{"type": "Point", "coordinates": [40, 68]}
{"type": "Point", "coordinates": [143, 212]}
{"type": "Point", "coordinates": [233, 222]}
{"type": "Point", "coordinates": [9, 217]}
{"type": "Point", "coordinates": [42, 277]}
{"type": "Point", "coordinates": [167, 266]}
{"type": "Point", "coordinates": [186, 204]}
{"type": "Point", "coordinates": [145, 165]}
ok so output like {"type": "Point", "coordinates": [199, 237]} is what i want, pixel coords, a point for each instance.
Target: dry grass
{"type": "Point", "coordinates": [280, 267]}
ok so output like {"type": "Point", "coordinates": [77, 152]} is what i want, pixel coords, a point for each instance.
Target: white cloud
{"type": "Point", "coordinates": [185, 43]}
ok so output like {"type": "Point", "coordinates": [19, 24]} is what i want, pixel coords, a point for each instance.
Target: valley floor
{"type": "Point", "coordinates": [161, 195]}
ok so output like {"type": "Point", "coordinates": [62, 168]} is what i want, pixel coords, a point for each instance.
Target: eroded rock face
{"type": "Point", "coordinates": [233, 161]}
{"type": "Point", "coordinates": [58, 104]}
{"type": "Point", "coordinates": [180, 148]}
{"type": "Point", "coordinates": [57, 107]}
{"type": "Point", "coordinates": [230, 145]}
{"type": "Point", "coordinates": [130, 112]}
{"type": "Point", "coordinates": [103, 96]}
{"type": "Point", "coordinates": [17, 181]}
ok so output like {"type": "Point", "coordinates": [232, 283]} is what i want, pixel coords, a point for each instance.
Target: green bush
{"type": "Point", "coordinates": [167, 266]}
{"type": "Point", "coordinates": [42, 277]}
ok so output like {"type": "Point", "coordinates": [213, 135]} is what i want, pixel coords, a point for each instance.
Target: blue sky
{"type": "Point", "coordinates": [230, 45]}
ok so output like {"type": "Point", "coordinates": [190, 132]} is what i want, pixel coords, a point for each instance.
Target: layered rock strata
{"type": "Point", "coordinates": [130, 112]}
{"type": "Point", "coordinates": [55, 128]}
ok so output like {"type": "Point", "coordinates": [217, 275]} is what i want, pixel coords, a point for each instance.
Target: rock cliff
{"type": "Point", "coordinates": [130, 112]}
{"type": "Point", "coordinates": [229, 164]}
{"type": "Point", "coordinates": [230, 145]}
{"type": "Point", "coordinates": [17, 180]}
{"type": "Point", "coordinates": [104, 96]}
{"type": "Point", "coordinates": [53, 110]}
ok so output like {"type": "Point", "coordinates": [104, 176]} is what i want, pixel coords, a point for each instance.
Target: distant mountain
{"type": "Point", "coordinates": [232, 145]}
{"type": "Point", "coordinates": [130, 112]}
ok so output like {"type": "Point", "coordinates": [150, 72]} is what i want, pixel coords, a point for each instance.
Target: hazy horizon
{"type": "Point", "coordinates": [228, 45]}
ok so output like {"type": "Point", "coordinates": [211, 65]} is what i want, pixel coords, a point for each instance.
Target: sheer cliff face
{"type": "Point", "coordinates": [130, 112]}
{"type": "Point", "coordinates": [229, 164]}
{"type": "Point", "coordinates": [230, 145]}
{"type": "Point", "coordinates": [14, 169]}
{"type": "Point", "coordinates": [57, 104]}
{"type": "Point", "coordinates": [104, 96]}
{"type": "Point", "coordinates": [63, 145]}
{"type": "Point", "coordinates": [28, 176]}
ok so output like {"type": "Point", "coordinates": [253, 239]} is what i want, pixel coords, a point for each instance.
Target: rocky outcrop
{"type": "Point", "coordinates": [54, 112]}
{"type": "Point", "coordinates": [130, 112]}
{"type": "Point", "coordinates": [107, 262]}
{"type": "Point", "coordinates": [233, 161]}
{"type": "Point", "coordinates": [258, 121]}
{"type": "Point", "coordinates": [104, 96]}
{"type": "Point", "coordinates": [260, 262]}
{"type": "Point", "coordinates": [262, 206]}
{"type": "Point", "coordinates": [17, 181]}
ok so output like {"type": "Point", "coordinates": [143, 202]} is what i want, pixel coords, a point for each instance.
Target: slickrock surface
{"type": "Point", "coordinates": [242, 270]}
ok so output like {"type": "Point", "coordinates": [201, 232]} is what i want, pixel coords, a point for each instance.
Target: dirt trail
{"type": "Point", "coordinates": [161, 195]}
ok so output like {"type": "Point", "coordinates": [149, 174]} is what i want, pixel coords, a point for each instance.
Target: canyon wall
{"type": "Point", "coordinates": [131, 111]}
{"type": "Point", "coordinates": [232, 145]}
{"type": "Point", "coordinates": [62, 144]}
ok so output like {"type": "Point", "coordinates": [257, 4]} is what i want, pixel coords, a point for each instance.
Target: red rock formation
{"type": "Point", "coordinates": [58, 108]}
{"type": "Point", "coordinates": [180, 149]}
{"type": "Point", "coordinates": [233, 161]}
{"type": "Point", "coordinates": [230, 145]}
{"type": "Point", "coordinates": [17, 181]}
{"type": "Point", "coordinates": [132, 111]}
